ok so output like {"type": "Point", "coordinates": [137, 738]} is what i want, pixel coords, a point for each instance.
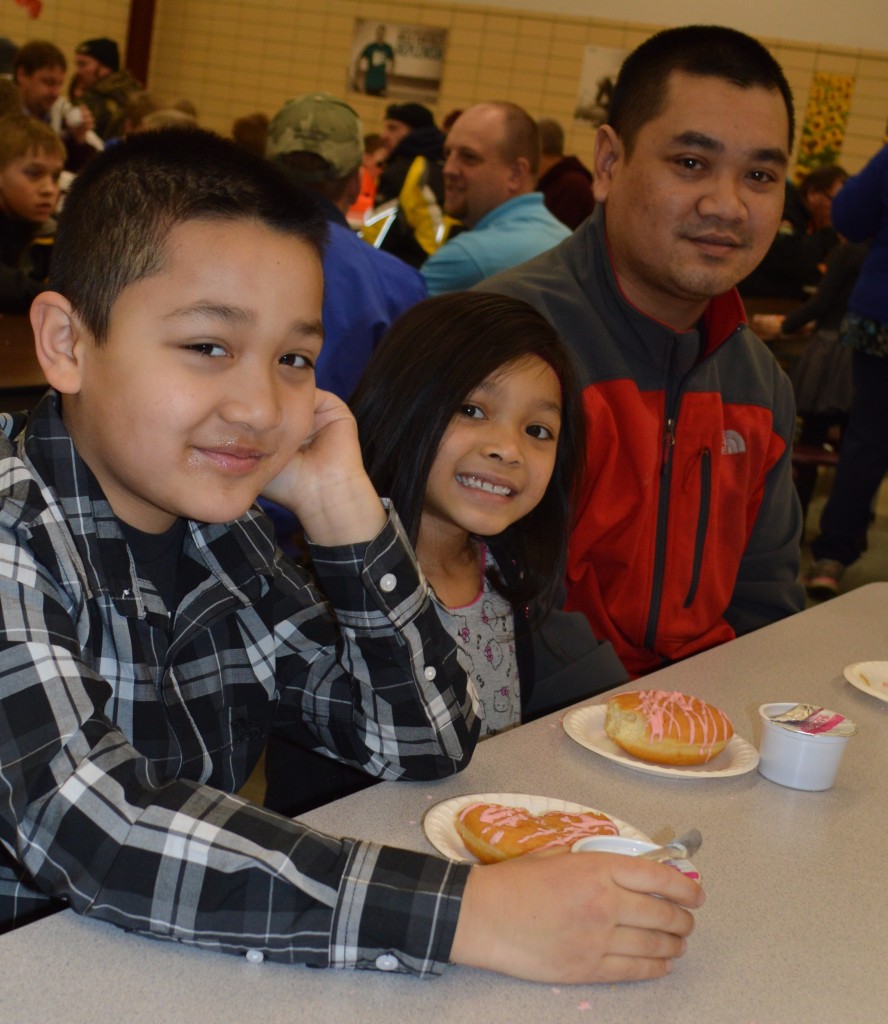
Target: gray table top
{"type": "Point", "coordinates": [795, 927]}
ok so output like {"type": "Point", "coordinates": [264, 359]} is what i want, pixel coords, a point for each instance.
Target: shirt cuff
{"type": "Point", "coordinates": [396, 911]}
{"type": "Point", "coordinates": [380, 576]}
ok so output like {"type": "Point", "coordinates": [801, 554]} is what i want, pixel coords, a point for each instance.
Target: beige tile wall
{"type": "Point", "coordinates": [67, 22]}
{"type": "Point", "coordinates": [233, 57]}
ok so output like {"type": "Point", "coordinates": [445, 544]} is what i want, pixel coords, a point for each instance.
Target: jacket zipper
{"type": "Point", "coordinates": [662, 516]}
{"type": "Point", "coordinates": [702, 522]}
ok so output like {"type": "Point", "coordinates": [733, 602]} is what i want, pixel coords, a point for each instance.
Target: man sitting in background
{"type": "Point", "coordinates": [102, 85]}
{"type": "Point", "coordinates": [566, 182]}
{"type": "Point", "coordinates": [490, 172]}
{"type": "Point", "coordinates": [39, 73]}
{"type": "Point", "coordinates": [317, 139]}
{"type": "Point", "coordinates": [407, 220]}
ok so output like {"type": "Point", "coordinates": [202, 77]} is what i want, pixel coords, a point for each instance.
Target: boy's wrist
{"type": "Point", "coordinates": [353, 514]}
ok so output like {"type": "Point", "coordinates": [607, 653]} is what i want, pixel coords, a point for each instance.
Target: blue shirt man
{"type": "Point", "coordinates": [492, 157]}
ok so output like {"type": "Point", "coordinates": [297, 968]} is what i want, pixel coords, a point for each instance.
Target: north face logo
{"type": "Point", "coordinates": [732, 443]}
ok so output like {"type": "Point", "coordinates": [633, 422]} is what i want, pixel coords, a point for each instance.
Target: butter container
{"type": "Point", "coordinates": [802, 744]}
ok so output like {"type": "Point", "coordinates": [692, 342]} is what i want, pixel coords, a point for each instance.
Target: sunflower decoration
{"type": "Point", "coordinates": [826, 116]}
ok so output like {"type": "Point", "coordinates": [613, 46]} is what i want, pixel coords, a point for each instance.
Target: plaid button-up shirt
{"type": "Point", "coordinates": [125, 727]}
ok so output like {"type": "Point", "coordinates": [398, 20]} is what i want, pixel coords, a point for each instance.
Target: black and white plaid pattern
{"type": "Point", "coordinates": [125, 728]}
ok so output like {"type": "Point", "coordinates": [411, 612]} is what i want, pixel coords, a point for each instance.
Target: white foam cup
{"type": "Point", "coordinates": [612, 844]}
{"type": "Point", "coordinates": [630, 848]}
{"type": "Point", "coordinates": [73, 117]}
{"type": "Point", "coordinates": [797, 759]}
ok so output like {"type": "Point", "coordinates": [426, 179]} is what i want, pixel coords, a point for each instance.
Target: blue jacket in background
{"type": "Point", "coordinates": [860, 212]}
{"type": "Point", "coordinates": [365, 291]}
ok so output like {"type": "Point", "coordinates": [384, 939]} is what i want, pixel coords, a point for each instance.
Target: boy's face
{"type": "Point", "coordinates": [29, 186]}
{"type": "Point", "coordinates": [204, 388]}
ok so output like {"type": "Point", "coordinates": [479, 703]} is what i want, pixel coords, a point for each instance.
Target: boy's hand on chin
{"type": "Point", "coordinates": [325, 484]}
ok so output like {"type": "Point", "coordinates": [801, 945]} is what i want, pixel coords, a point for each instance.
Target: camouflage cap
{"type": "Point", "coordinates": [322, 124]}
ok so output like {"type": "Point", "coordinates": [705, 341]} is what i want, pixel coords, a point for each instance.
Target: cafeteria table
{"type": "Point", "coordinates": [21, 378]}
{"type": "Point", "coordinates": [794, 929]}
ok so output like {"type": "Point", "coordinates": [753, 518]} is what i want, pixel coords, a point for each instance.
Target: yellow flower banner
{"type": "Point", "coordinates": [823, 131]}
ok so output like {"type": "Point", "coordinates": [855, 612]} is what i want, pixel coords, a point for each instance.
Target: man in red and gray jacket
{"type": "Point", "coordinates": [688, 534]}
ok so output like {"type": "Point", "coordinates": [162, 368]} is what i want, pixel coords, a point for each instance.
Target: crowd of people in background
{"type": "Point", "coordinates": [587, 450]}
{"type": "Point", "coordinates": [452, 204]}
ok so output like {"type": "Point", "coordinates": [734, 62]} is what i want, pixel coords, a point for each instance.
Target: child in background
{"type": "Point", "coordinates": [31, 160]}
{"type": "Point", "coordinates": [470, 417]}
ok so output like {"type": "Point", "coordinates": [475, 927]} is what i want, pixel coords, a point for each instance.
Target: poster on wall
{"type": "Point", "coordinates": [826, 115]}
{"type": "Point", "coordinates": [402, 62]}
{"type": "Point", "coordinates": [601, 65]}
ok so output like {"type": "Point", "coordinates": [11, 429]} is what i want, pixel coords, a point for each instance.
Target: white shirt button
{"type": "Point", "coordinates": [387, 962]}
{"type": "Point", "coordinates": [255, 956]}
{"type": "Point", "coordinates": [388, 583]}
{"type": "Point", "coordinates": [430, 672]}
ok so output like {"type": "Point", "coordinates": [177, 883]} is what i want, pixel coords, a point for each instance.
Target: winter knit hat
{"type": "Point", "coordinates": [414, 115]}
{"type": "Point", "coordinates": [103, 50]}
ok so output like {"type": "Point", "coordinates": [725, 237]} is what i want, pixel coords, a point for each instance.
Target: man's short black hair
{"type": "Point", "coordinates": [706, 50]}
{"type": "Point", "coordinates": [123, 205]}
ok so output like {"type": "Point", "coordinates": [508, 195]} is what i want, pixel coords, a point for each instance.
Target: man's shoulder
{"type": "Point", "coordinates": [384, 270]}
{"type": "Point", "coordinates": [552, 269]}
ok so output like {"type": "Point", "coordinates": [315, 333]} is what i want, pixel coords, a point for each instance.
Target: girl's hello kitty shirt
{"type": "Point", "coordinates": [485, 632]}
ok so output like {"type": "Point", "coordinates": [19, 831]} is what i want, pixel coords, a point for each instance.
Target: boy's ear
{"type": "Point", "coordinates": [58, 337]}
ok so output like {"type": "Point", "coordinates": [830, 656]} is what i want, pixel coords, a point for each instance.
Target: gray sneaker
{"type": "Point", "coordinates": [823, 578]}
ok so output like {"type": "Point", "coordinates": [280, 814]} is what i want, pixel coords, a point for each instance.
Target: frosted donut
{"type": "Point", "coordinates": [666, 727]}
{"type": "Point", "coordinates": [493, 832]}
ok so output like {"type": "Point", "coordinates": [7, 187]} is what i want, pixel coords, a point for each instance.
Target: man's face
{"type": "Point", "coordinates": [477, 178]}
{"type": "Point", "coordinates": [29, 186]}
{"type": "Point", "coordinates": [697, 204]}
{"type": "Point", "coordinates": [88, 71]}
{"type": "Point", "coordinates": [204, 389]}
{"type": "Point", "coordinates": [392, 133]}
{"type": "Point", "coordinates": [40, 90]}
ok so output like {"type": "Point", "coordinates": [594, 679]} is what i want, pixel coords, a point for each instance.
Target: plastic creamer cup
{"type": "Point", "coordinates": [802, 744]}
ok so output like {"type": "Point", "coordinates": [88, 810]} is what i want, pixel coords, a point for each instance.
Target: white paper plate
{"type": "Point", "coordinates": [869, 676]}
{"type": "Point", "coordinates": [586, 726]}
{"type": "Point", "coordinates": [438, 823]}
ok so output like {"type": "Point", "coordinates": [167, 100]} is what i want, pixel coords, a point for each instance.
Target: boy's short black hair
{"type": "Point", "coordinates": [706, 50]}
{"type": "Point", "coordinates": [122, 207]}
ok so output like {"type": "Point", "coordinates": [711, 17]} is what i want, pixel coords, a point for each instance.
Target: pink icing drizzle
{"type": "Point", "coordinates": [569, 828]}
{"type": "Point", "coordinates": [708, 725]}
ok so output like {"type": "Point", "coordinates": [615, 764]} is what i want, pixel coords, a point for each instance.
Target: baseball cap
{"type": "Point", "coordinates": [103, 50]}
{"type": "Point", "coordinates": [322, 124]}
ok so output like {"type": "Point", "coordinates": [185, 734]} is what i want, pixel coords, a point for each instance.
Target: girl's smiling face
{"type": "Point", "coordinates": [496, 458]}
